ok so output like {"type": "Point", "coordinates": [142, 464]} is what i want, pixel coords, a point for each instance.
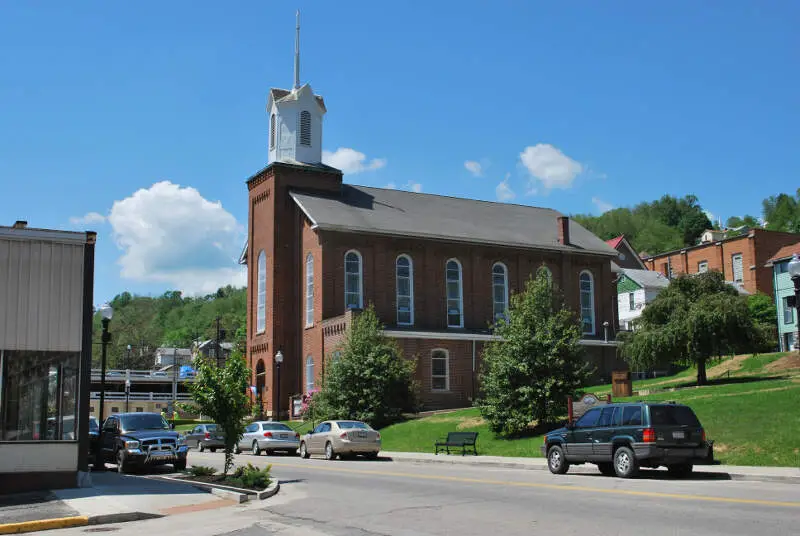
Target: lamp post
{"type": "Point", "coordinates": [278, 361]}
{"type": "Point", "coordinates": [106, 312]}
{"type": "Point", "coordinates": [127, 394]}
{"type": "Point", "coordinates": [794, 273]}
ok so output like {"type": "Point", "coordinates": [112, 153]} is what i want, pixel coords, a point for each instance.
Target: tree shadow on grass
{"type": "Point", "coordinates": [732, 380]}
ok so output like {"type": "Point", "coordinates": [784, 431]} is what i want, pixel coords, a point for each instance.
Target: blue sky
{"type": "Point", "coordinates": [149, 116]}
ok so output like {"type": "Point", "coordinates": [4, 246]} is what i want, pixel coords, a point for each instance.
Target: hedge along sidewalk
{"type": "Point", "coordinates": [789, 475]}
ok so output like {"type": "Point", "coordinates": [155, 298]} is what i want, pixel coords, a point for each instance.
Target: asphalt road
{"type": "Point", "coordinates": [385, 497]}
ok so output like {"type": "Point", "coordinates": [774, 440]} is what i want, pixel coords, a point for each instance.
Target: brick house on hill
{"type": "Point", "coordinates": [626, 256]}
{"type": "Point", "coordinates": [437, 269]}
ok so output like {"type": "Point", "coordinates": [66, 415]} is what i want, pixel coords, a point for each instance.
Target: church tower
{"type": "Point", "coordinates": [295, 119]}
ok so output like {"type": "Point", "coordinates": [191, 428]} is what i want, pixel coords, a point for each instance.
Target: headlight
{"type": "Point", "coordinates": [181, 441]}
{"type": "Point", "coordinates": [132, 444]}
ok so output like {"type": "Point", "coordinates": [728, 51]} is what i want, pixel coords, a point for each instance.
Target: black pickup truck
{"type": "Point", "coordinates": [136, 440]}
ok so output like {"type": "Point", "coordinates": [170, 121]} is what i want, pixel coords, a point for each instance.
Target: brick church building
{"type": "Point", "coordinates": [437, 269]}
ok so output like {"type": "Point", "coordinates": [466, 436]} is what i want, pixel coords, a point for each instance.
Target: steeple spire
{"type": "Point", "coordinates": [297, 53]}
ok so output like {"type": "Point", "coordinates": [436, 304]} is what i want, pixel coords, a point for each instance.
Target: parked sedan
{"type": "Point", "coordinates": [206, 436]}
{"type": "Point", "coordinates": [341, 438]}
{"type": "Point", "coordinates": [268, 436]}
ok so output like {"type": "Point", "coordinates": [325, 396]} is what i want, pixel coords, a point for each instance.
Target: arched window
{"type": "Point", "coordinates": [309, 290]}
{"type": "Point", "coordinates": [587, 302]}
{"type": "Point", "coordinates": [353, 287]}
{"type": "Point", "coordinates": [305, 128]}
{"type": "Point", "coordinates": [261, 309]}
{"type": "Point", "coordinates": [309, 374]}
{"type": "Point", "coordinates": [405, 290]}
{"type": "Point", "coordinates": [500, 290]}
{"type": "Point", "coordinates": [440, 370]}
{"type": "Point", "coordinates": [455, 295]}
{"type": "Point", "coordinates": [272, 131]}
{"type": "Point", "coordinates": [546, 271]}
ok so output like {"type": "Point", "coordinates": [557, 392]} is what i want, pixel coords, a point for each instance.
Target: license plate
{"type": "Point", "coordinates": [284, 436]}
{"type": "Point", "coordinates": [362, 435]}
{"type": "Point", "coordinates": [160, 454]}
{"type": "Point", "coordinates": [220, 438]}
{"type": "Point", "coordinates": [678, 435]}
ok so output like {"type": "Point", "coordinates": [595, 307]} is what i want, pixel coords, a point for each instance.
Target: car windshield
{"type": "Point", "coordinates": [143, 421]}
{"type": "Point", "coordinates": [275, 426]}
{"type": "Point", "coordinates": [211, 427]}
{"type": "Point", "coordinates": [348, 425]}
{"type": "Point", "coordinates": [673, 416]}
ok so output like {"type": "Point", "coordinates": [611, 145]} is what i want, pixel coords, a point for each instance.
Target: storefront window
{"type": "Point", "coordinates": [38, 395]}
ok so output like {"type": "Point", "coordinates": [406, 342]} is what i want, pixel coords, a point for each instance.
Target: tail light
{"type": "Point", "coordinates": [297, 435]}
{"type": "Point", "coordinates": [379, 434]}
{"type": "Point", "coordinates": [208, 436]}
{"type": "Point", "coordinates": [703, 435]}
{"type": "Point", "coordinates": [343, 435]}
{"type": "Point", "coordinates": [649, 435]}
{"type": "Point", "coordinates": [267, 434]}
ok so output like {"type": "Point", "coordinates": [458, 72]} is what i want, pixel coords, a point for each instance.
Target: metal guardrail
{"type": "Point", "coordinates": [95, 395]}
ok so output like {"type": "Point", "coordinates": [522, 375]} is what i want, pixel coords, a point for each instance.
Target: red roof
{"type": "Point", "coordinates": [785, 252]}
{"type": "Point", "coordinates": [614, 242]}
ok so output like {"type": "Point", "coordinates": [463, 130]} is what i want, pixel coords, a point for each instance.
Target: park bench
{"type": "Point", "coordinates": [456, 440]}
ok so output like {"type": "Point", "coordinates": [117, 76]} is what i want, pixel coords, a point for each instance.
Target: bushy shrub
{"type": "Point", "coordinates": [251, 477]}
{"type": "Point", "coordinates": [201, 470]}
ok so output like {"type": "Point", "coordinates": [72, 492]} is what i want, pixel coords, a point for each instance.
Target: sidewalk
{"type": "Point", "coordinates": [733, 472]}
{"type": "Point", "coordinates": [113, 498]}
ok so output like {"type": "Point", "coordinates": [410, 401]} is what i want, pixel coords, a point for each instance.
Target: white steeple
{"type": "Point", "coordinates": [295, 119]}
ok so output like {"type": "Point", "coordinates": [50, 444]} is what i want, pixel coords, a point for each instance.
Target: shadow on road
{"type": "Point", "coordinates": [662, 475]}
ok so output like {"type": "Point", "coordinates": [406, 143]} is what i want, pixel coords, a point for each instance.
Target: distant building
{"type": "Point", "coordinates": [165, 357]}
{"type": "Point", "coordinates": [211, 350]}
{"type": "Point", "coordinates": [784, 288]}
{"type": "Point", "coordinates": [635, 289]}
{"type": "Point", "coordinates": [626, 256]}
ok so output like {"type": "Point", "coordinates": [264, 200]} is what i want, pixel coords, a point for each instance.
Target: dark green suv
{"type": "Point", "coordinates": [620, 438]}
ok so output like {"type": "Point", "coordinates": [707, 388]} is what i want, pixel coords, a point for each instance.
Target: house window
{"type": "Point", "coordinates": [309, 290]}
{"type": "Point", "coordinates": [261, 309]}
{"type": "Point", "coordinates": [114, 409]}
{"type": "Point", "coordinates": [738, 272]}
{"type": "Point", "coordinates": [139, 410]}
{"type": "Point", "coordinates": [272, 131]}
{"type": "Point", "coordinates": [788, 312]}
{"type": "Point", "coordinates": [587, 302]}
{"type": "Point", "coordinates": [702, 267]}
{"type": "Point", "coordinates": [335, 356]}
{"type": "Point", "coordinates": [305, 128]}
{"type": "Point", "coordinates": [405, 290]}
{"type": "Point", "coordinates": [782, 267]}
{"type": "Point", "coordinates": [546, 271]}
{"type": "Point", "coordinates": [455, 295]}
{"type": "Point", "coordinates": [631, 301]}
{"type": "Point", "coordinates": [309, 374]}
{"type": "Point", "coordinates": [500, 290]}
{"type": "Point", "coordinates": [440, 371]}
{"type": "Point", "coordinates": [353, 280]}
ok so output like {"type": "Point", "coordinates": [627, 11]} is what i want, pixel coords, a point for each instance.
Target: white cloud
{"type": "Point", "coordinates": [413, 186]}
{"type": "Point", "coordinates": [550, 166]}
{"type": "Point", "coordinates": [711, 217]}
{"type": "Point", "coordinates": [88, 219]}
{"type": "Point", "coordinates": [504, 191]}
{"type": "Point", "coordinates": [391, 186]}
{"type": "Point", "coordinates": [351, 161]}
{"type": "Point", "coordinates": [173, 235]}
{"type": "Point", "coordinates": [474, 167]}
{"type": "Point", "coordinates": [601, 205]}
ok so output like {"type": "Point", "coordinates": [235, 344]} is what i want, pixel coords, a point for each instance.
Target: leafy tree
{"type": "Point", "coordinates": [529, 373]}
{"type": "Point", "coordinates": [692, 320]}
{"type": "Point", "coordinates": [782, 212]}
{"type": "Point", "coordinates": [749, 221]}
{"type": "Point", "coordinates": [371, 381]}
{"type": "Point", "coordinates": [762, 309]}
{"type": "Point", "coordinates": [221, 393]}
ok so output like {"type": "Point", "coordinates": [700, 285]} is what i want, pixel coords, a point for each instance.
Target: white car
{"type": "Point", "coordinates": [268, 436]}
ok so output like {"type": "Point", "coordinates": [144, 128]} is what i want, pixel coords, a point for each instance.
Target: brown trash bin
{"type": "Point", "coordinates": [621, 384]}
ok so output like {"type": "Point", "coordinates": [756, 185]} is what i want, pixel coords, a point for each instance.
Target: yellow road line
{"type": "Point", "coordinates": [43, 524]}
{"type": "Point", "coordinates": [538, 485]}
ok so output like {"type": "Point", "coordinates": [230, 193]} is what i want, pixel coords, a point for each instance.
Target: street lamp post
{"type": "Point", "coordinates": [106, 312]}
{"type": "Point", "coordinates": [127, 394]}
{"type": "Point", "coordinates": [278, 361]}
{"type": "Point", "coordinates": [794, 273]}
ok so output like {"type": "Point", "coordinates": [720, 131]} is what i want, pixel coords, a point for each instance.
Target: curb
{"type": "Point", "coordinates": [744, 477]}
{"type": "Point", "coordinates": [232, 493]}
{"type": "Point", "coordinates": [123, 517]}
{"type": "Point", "coordinates": [44, 524]}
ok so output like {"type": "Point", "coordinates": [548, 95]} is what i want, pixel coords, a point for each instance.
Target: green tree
{"type": "Point", "coordinates": [529, 373]}
{"type": "Point", "coordinates": [692, 320]}
{"type": "Point", "coordinates": [371, 381]}
{"type": "Point", "coordinates": [221, 393]}
{"type": "Point", "coordinates": [762, 309]}
{"type": "Point", "coordinates": [782, 212]}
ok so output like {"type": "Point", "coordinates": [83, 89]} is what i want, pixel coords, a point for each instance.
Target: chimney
{"type": "Point", "coordinates": [20, 224]}
{"type": "Point", "coordinates": [563, 230]}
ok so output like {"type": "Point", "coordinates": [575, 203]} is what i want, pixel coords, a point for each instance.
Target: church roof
{"type": "Point", "coordinates": [278, 94]}
{"type": "Point", "coordinates": [400, 213]}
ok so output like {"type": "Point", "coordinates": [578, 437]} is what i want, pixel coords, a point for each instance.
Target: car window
{"type": "Point", "coordinates": [326, 427]}
{"type": "Point", "coordinates": [93, 426]}
{"type": "Point", "coordinates": [673, 416]}
{"type": "Point", "coordinates": [251, 428]}
{"type": "Point", "coordinates": [143, 421]}
{"type": "Point", "coordinates": [197, 430]}
{"type": "Point", "coordinates": [632, 416]}
{"type": "Point", "coordinates": [588, 419]}
{"type": "Point", "coordinates": [211, 428]}
{"type": "Point", "coordinates": [349, 425]}
{"type": "Point", "coordinates": [110, 424]}
{"type": "Point", "coordinates": [318, 429]}
{"type": "Point", "coordinates": [607, 417]}
{"type": "Point", "coordinates": [275, 426]}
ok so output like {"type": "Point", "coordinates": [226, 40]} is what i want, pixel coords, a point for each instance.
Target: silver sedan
{"type": "Point", "coordinates": [341, 438]}
{"type": "Point", "coordinates": [268, 436]}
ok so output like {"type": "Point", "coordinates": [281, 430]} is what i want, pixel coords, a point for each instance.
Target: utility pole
{"type": "Point", "coordinates": [174, 380]}
{"type": "Point", "coordinates": [218, 348]}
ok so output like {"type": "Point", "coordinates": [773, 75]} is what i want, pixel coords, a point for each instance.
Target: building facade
{"type": "Point", "coordinates": [46, 284]}
{"type": "Point", "coordinates": [635, 289]}
{"type": "Point", "coordinates": [626, 256]}
{"type": "Point", "coordinates": [741, 259]}
{"type": "Point", "coordinates": [784, 289]}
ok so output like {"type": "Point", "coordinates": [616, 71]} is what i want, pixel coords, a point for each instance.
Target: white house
{"type": "Point", "coordinates": [635, 289]}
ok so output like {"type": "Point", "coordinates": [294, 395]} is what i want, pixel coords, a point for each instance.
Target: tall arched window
{"type": "Point", "coordinates": [587, 302]}
{"type": "Point", "coordinates": [309, 290]}
{"type": "Point", "coordinates": [353, 281]}
{"type": "Point", "coordinates": [272, 130]}
{"type": "Point", "coordinates": [261, 308]}
{"type": "Point", "coordinates": [305, 128]}
{"type": "Point", "coordinates": [405, 290]}
{"type": "Point", "coordinates": [455, 295]}
{"type": "Point", "coordinates": [547, 273]}
{"type": "Point", "coordinates": [500, 290]}
{"type": "Point", "coordinates": [309, 374]}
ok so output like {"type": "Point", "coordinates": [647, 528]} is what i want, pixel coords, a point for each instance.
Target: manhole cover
{"type": "Point", "coordinates": [102, 529]}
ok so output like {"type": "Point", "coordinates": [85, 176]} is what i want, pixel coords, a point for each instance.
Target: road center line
{"type": "Point", "coordinates": [560, 487]}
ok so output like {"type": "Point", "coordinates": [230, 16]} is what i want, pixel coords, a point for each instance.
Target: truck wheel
{"type": "Point", "coordinates": [180, 465]}
{"type": "Point", "coordinates": [625, 464]}
{"type": "Point", "coordinates": [556, 461]}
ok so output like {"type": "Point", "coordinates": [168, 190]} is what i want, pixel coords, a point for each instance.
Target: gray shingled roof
{"type": "Point", "coordinates": [647, 278]}
{"type": "Point", "coordinates": [278, 94]}
{"type": "Point", "coordinates": [400, 213]}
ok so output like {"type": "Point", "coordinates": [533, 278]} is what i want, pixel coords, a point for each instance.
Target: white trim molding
{"type": "Point", "coordinates": [481, 337]}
